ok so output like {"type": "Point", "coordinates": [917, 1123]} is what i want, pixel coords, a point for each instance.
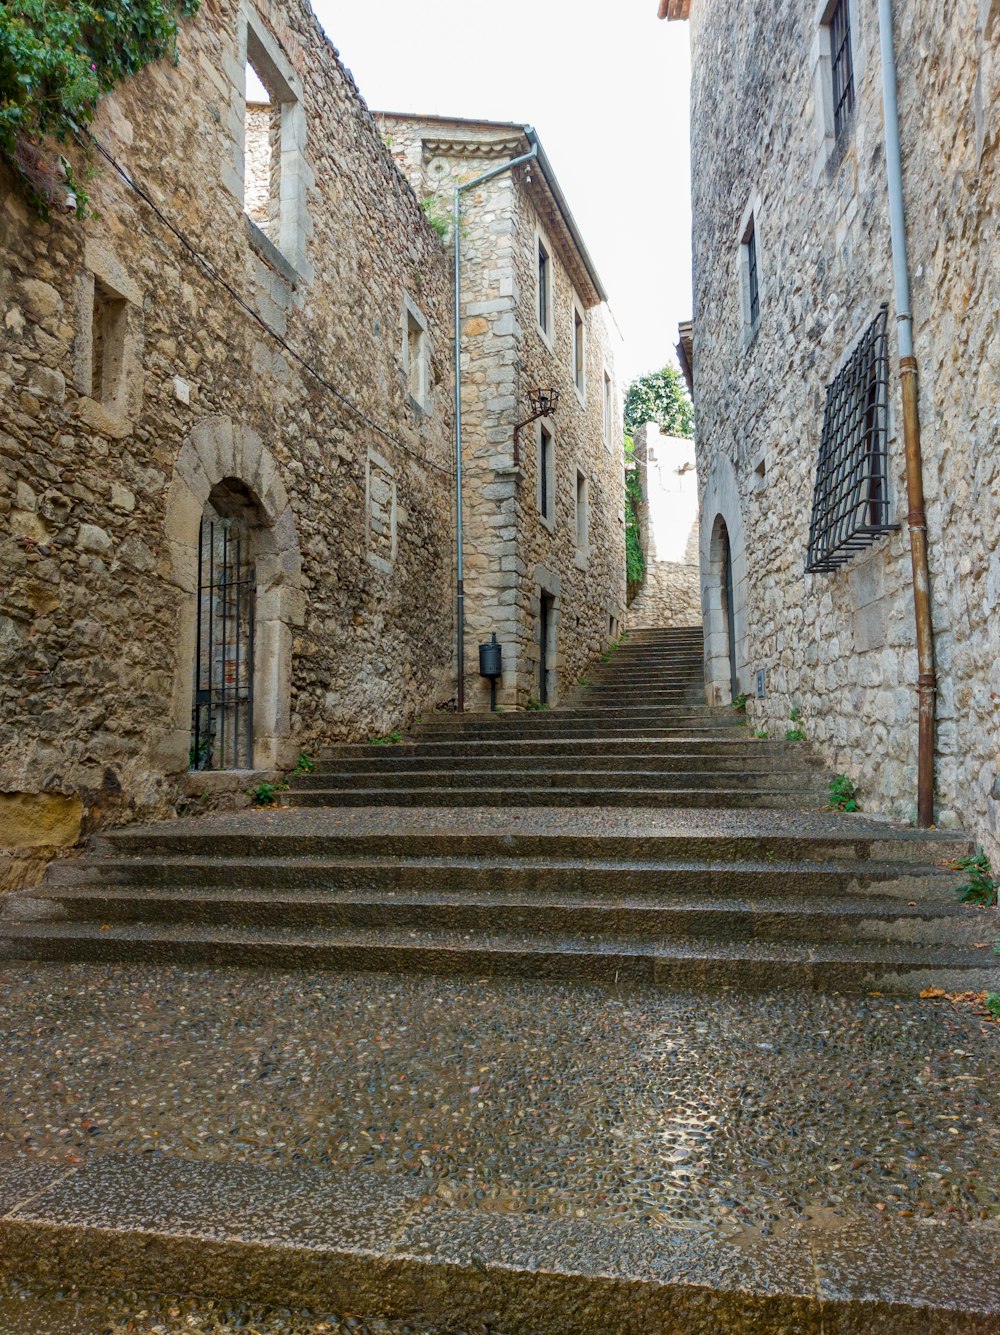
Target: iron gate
{"type": "Point", "coordinates": [222, 728]}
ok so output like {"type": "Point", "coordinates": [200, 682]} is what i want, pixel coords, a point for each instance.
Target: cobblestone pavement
{"type": "Point", "coordinates": [681, 1109]}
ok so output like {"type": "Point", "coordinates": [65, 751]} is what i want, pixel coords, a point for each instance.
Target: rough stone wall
{"type": "Point", "coordinates": [841, 646]}
{"type": "Point", "coordinates": [670, 593]}
{"type": "Point", "coordinates": [102, 484]}
{"type": "Point", "coordinates": [511, 555]}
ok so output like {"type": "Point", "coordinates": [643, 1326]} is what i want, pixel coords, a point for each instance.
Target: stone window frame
{"type": "Point", "coordinates": [828, 146]}
{"type": "Point", "coordinates": [257, 47]}
{"type": "Point", "coordinates": [412, 318]}
{"type": "Point", "coordinates": [607, 408]}
{"type": "Point", "coordinates": [578, 320]}
{"type": "Point", "coordinates": [749, 228]}
{"type": "Point", "coordinates": [546, 332]}
{"type": "Point", "coordinates": [546, 426]}
{"type": "Point", "coordinates": [581, 532]}
{"type": "Point", "coordinates": [373, 558]}
{"type": "Point", "coordinates": [113, 412]}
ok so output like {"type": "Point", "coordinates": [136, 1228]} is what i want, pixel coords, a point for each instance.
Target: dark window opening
{"type": "Point", "coordinates": [753, 291]}
{"type": "Point", "coordinates": [107, 344]}
{"type": "Point", "coordinates": [851, 497]}
{"type": "Point", "coordinates": [543, 287]}
{"type": "Point", "coordinates": [841, 66]}
{"type": "Point", "coordinates": [578, 350]}
{"type": "Point", "coordinates": [545, 479]}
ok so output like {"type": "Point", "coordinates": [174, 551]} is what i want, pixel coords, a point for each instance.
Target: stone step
{"type": "Point", "coordinates": [569, 715]}
{"type": "Point", "coordinates": [607, 879]}
{"type": "Point", "coordinates": [550, 728]}
{"type": "Point", "coordinates": [386, 1247]}
{"type": "Point", "coordinates": [901, 968]}
{"type": "Point", "coordinates": [397, 760]}
{"type": "Point", "coordinates": [658, 916]}
{"type": "Point", "coordinates": [729, 743]}
{"type": "Point", "coordinates": [612, 775]}
{"type": "Point", "coordinates": [762, 795]}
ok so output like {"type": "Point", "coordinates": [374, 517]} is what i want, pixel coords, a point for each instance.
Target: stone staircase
{"type": "Point", "coordinates": [631, 835]}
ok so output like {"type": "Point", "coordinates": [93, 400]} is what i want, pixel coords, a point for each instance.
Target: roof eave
{"type": "Point", "coordinates": [674, 9]}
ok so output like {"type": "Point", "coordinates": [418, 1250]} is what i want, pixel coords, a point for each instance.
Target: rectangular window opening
{"type": "Point", "coordinates": [841, 66]}
{"type": "Point", "coordinates": [544, 288]}
{"type": "Point", "coordinates": [851, 496]}
{"type": "Point", "coordinates": [582, 506]}
{"type": "Point", "coordinates": [546, 474]}
{"type": "Point", "coordinates": [262, 156]}
{"type": "Point", "coordinates": [578, 351]}
{"type": "Point", "coordinates": [107, 344]}
{"type": "Point", "coordinates": [753, 287]}
{"type": "Point", "coordinates": [608, 410]}
{"type": "Point", "coordinates": [416, 359]}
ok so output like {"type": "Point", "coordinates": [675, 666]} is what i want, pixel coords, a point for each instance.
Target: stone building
{"type": "Point", "coordinates": [667, 516]}
{"type": "Point", "coordinates": [544, 514]}
{"type": "Point", "coordinates": [805, 544]}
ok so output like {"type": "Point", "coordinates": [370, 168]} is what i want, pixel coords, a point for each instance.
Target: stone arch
{"type": "Point", "coordinates": [220, 452]}
{"type": "Point", "coordinates": [723, 594]}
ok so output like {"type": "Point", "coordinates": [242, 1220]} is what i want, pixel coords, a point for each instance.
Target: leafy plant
{"type": "Point", "coordinates": [660, 397]}
{"type": "Point", "coordinates": [992, 1004]}
{"type": "Point", "coordinates": [305, 763]}
{"type": "Point", "coordinates": [390, 739]}
{"type": "Point", "coordinates": [740, 702]}
{"type": "Point", "coordinates": [843, 794]}
{"type": "Point", "coordinates": [266, 794]}
{"type": "Point", "coordinates": [437, 216]}
{"type": "Point", "coordinates": [795, 733]}
{"type": "Point", "coordinates": [57, 57]}
{"type": "Point", "coordinates": [760, 734]}
{"type": "Point", "coordinates": [796, 714]}
{"type": "Point", "coordinates": [980, 888]}
{"type": "Point", "coordinates": [535, 705]}
{"type": "Point", "coordinates": [584, 681]}
{"type": "Point", "coordinates": [635, 560]}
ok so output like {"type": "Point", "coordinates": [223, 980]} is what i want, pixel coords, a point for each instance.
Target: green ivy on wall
{"type": "Point", "coordinates": [57, 57]}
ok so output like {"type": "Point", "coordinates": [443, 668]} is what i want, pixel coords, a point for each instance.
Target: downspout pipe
{"type": "Point", "coordinates": [916, 517]}
{"type": "Point", "coordinates": [459, 542]}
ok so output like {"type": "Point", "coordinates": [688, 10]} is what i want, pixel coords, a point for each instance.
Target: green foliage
{"type": "Point", "coordinates": [760, 734]}
{"type": "Point", "coordinates": [390, 739]}
{"type": "Point", "coordinates": [535, 705]}
{"type": "Point", "coordinates": [843, 794]}
{"type": "Point", "coordinates": [992, 1004]}
{"type": "Point", "coordinates": [660, 397]}
{"type": "Point", "coordinates": [635, 560]}
{"type": "Point", "coordinates": [794, 735]}
{"type": "Point", "coordinates": [437, 215]}
{"type": "Point", "coordinates": [796, 714]}
{"type": "Point", "coordinates": [980, 888]}
{"type": "Point", "coordinates": [305, 763]}
{"type": "Point", "coordinates": [266, 794]}
{"type": "Point", "coordinates": [57, 57]}
{"type": "Point", "coordinates": [740, 702]}
{"type": "Point", "coordinates": [584, 681]}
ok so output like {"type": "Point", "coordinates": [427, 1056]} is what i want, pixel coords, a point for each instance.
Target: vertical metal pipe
{"type": "Point", "coordinates": [251, 674]}
{"type": "Point", "coordinates": [211, 642]}
{"type": "Point", "coordinates": [459, 536]}
{"type": "Point", "coordinates": [223, 585]}
{"type": "Point", "coordinates": [916, 517]}
{"type": "Point", "coordinates": [196, 730]}
{"type": "Point", "coordinates": [236, 624]}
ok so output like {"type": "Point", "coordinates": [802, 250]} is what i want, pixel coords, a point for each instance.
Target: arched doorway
{"type": "Point", "coordinates": [721, 640]}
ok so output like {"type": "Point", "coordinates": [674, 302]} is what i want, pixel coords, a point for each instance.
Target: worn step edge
{"type": "Point", "coordinates": [381, 1246]}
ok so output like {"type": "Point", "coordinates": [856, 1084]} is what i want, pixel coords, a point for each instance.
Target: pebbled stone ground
{"type": "Point", "coordinates": [691, 1110]}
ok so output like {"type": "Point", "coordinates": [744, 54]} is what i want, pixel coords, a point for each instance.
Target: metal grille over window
{"type": "Point", "coordinates": [753, 291]}
{"type": "Point", "coordinates": [842, 65]}
{"type": "Point", "coordinates": [222, 729]}
{"type": "Point", "coordinates": [851, 500]}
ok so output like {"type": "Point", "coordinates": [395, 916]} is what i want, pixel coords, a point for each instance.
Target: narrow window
{"type": "Point", "coordinates": [749, 273]}
{"type": "Point", "coordinates": [753, 291]}
{"type": "Point", "coordinates": [107, 345]}
{"type": "Point", "coordinates": [841, 65]}
{"type": "Point", "coordinates": [546, 474]}
{"type": "Point", "coordinates": [544, 288]}
{"type": "Point", "coordinates": [416, 360]}
{"type": "Point", "coordinates": [262, 156]}
{"type": "Point", "coordinates": [582, 516]}
{"type": "Point", "coordinates": [578, 351]}
{"type": "Point", "coordinates": [608, 410]}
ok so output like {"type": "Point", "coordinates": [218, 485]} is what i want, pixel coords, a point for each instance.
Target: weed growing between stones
{"type": "Point", "coordinates": [740, 702]}
{"type": "Point", "coordinates": [266, 794]}
{"type": "Point", "coordinates": [305, 763]}
{"type": "Point", "coordinates": [795, 733]}
{"type": "Point", "coordinates": [535, 705]}
{"type": "Point", "coordinates": [761, 734]}
{"type": "Point", "coordinates": [843, 794]}
{"type": "Point", "coordinates": [390, 739]}
{"type": "Point", "coordinates": [980, 888]}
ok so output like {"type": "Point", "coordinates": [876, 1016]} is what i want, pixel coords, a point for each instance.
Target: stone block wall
{"type": "Point", "coordinates": [135, 385]}
{"type": "Point", "coordinates": [670, 593]}
{"type": "Point", "coordinates": [841, 646]}
{"type": "Point", "coordinates": [512, 555]}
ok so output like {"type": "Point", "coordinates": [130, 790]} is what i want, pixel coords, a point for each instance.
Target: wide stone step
{"type": "Point", "coordinates": [610, 880]}
{"type": "Point", "coordinates": [568, 715]}
{"type": "Point", "coordinates": [385, 1247]}
{"type": "Point", "coordinates": [762, 795]}
{"type": "Point", "coordinates": [400, 761]}
{"type": "Point", "coordinates": [549, 728]}
{"type": "Point", "coordinates": [730, 743]}
{"type": "Point", "coordinates": [901, 968]}
{"type": "Point", "coordinates": [660, 916]}
{"type": "Point", "coordinates": [612, 776]}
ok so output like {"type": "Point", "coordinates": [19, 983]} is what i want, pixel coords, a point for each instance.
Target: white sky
{"type": "Point", "coordinates": [605, 86]}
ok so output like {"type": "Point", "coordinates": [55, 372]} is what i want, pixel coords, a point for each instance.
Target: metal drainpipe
{"type": "Point", "coordinates": [916, 517]}
{"type": "Point", "coordinates": [459, 563]}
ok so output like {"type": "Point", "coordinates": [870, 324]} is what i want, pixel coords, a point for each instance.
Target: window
{"type": "Point", "coordinates": [544, 289]}
{"type": "Point", "coordinates": [579, 367]}
{"type": "Point", "coordinates": [416, 354]}
{"type": "Point", "coordinates": [841, 66]}
{"type": "Point", "coordinates": [749, 275]}
{"type": "Point", "coordinates": [274, 174]}
{"type": "Point", "coordinates": [546, 475]}
{"type": "Point", "coordinates": [107, 345]}
{"type": "Point", "coordinates": [582, 511]}
{"type": "Point", "coordinates": [609, 408]}
{"type": "Point", "coordinates": [753, 294]}
{"type": "Point", "coordinates": [851, 498]}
